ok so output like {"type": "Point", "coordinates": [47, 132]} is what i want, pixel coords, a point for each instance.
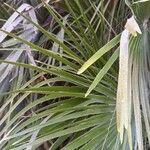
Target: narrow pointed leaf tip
{"type": "Point", "coordinates": [132, 26]}
{"type": "Point", "coordinates": [99, 53]}
{"type": "Point", "coordinates": [80, 71]}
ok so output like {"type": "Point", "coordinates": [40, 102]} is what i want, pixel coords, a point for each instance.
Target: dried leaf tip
{"type": "Point", "coordinates": [133, 27]}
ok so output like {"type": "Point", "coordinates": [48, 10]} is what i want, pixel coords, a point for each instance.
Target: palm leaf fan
{"type": "Point", "coordinates": [133, 103]}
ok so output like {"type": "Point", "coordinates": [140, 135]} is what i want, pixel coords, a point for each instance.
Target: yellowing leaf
{"type": "Point", "coordinates": [122, 91]}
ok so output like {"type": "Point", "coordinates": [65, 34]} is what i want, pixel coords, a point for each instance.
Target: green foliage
{"type": "Point", "coordinates": [44, 104]}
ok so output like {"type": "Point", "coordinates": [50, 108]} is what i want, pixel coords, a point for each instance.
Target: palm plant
{"type": "Point", "coordinates": [50, 109]}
